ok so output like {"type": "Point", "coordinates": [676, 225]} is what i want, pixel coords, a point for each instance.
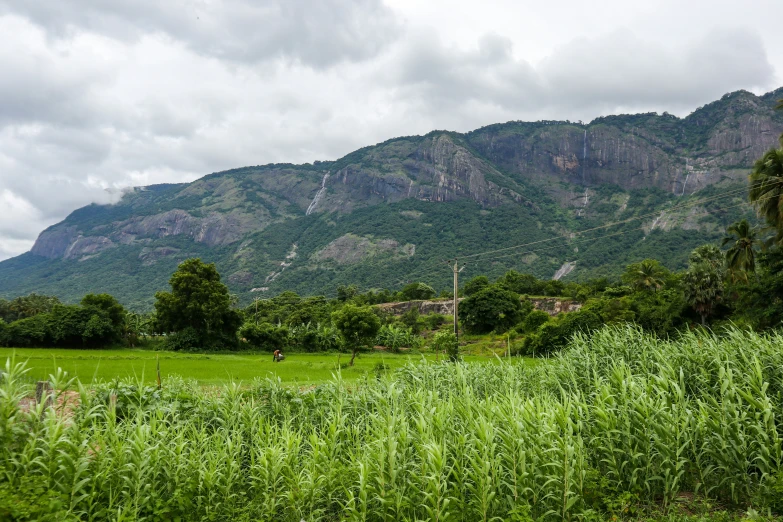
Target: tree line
{"type": "Point", "coordinates": [739, 281]}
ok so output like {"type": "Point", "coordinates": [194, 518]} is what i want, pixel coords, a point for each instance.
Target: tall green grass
{"type": "Point", "coordinates": [619, 415]}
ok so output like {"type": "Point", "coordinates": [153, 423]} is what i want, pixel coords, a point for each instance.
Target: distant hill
{"type": "Point", "coordinates": [391, 212]}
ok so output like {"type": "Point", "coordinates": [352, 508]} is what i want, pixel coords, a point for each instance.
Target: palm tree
{"type": "Point", "coordinates": [647, 275]}
{"type": "Point", "coordinates": [741, 256]}
{"type": "Point", "coordinates": [766, 188]}
{"type": "Point", "coordinates": [703, 284]}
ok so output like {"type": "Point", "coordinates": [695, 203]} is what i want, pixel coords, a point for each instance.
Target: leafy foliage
{"type": "Point", "coordinates": [358, 327]}
{"type": "Point", "coordinates": [264, 336]}
{"type": "Point", "coordinates": [620, 424]}
{"type": "Point", "coordinates": [199, 302]}
{"type": "Point", "coordinates": [446, 342]}
{"type": "Point", "coordinates": [492, 308]}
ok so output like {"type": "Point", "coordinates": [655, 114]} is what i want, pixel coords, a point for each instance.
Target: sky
{"type": "Point", "coordinates": [100, 95]}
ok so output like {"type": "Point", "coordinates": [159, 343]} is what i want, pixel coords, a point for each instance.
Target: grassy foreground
{"type": "Point", "coordinates": [622, 426]}
{"type": "Point", "coordinates": [212, 369]}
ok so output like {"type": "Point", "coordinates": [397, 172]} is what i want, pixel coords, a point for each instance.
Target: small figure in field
{"type": "Point", "coordinates": [277, 356]}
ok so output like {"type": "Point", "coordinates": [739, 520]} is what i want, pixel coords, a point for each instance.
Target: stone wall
{"type": "Point", "coordinates": [550, 305]}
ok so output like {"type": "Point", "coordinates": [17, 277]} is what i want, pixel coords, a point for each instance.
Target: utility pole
{"type": "Point", "coordinates": [256, 314]}
{"type": "Point", "coordinates": [456, 270]}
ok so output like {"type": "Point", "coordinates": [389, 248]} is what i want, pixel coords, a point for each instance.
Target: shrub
{"type": "Point", "coordinates": [446, 342]}
{"type": "Point", "coordinates": [32, 500]}
{"type": "Point", "coordinates": [396, 337]}
{"type": "Point", "coordinates": [264, 336]}
{"type": "Point", "coordinates": [186, 340]}
{"type": "Point", "coordinates": [533, 320]}
{"type": "Point", "coordinates": [411, 320]}
{"type": "Point", "coordinates": [417, 292]}
{"type": "Point", "coordinates": [554, 335]}
{"type": "Point", "coordinates": [434, 321]}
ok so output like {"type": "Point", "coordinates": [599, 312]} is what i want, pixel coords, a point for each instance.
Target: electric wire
{"type": "Point", "coordinates": [569, 237]}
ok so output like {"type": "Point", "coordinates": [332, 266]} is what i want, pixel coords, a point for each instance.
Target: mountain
{"type": "Point", "coordinates": [392, 212]}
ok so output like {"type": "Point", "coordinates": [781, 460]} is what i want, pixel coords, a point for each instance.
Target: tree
{"type": "Point", "coordinates": [26, 306]}
{"type": "Point", "coordinates": [533, 320]}
{"type": "Point", "coordinates": [521, 283]}
{"type": "Point", "coordinates": [766, 188]}
{"type": "Point", "coordinates": [446, 342]}
{"type": "Point", "coordinates": [106, 306]}
{"type": "Point", "coordinates": [135, 326]}
{"type": "Point", "coordinates": [741, 255]}
{"type": "Point", "coordinates": [346, 293]}
{"type": "Point", "coordinates": [492, 308]}
{"type": "Point", "coordinates": [760, 303]}
{"type": "Point", "coordinates": [417, 292]}
{"type": "Point", "coordinates": [474, 285]}
{"type": "Point", "coordinates": [556, 334]}
{"type": "Point", "coordinates": [264, 335]}
{"type": "Point", "coordinates": [198, 301]}
{"type": "Point", "coordinates": [703, 281]}
{"type": "Point", "coordinates": [649, 275]}
{"type": "Point", "coordinates": [358, 327]}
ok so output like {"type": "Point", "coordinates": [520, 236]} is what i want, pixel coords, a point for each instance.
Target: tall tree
{"type": "Point", "coordinates": [646, 275]}
{"type": "Point", "coordinates": [741, 255]}
{"type": "Point", "coordinates": [492, 308]}
{"type": "Point", "coordinates": [358, 327]}
{"type": "Point", "coordinates": [766, 186]}
{"type": "Point", "coordinates": [198, 301]}
{"type": "Point", "coordinates": [703, 281]}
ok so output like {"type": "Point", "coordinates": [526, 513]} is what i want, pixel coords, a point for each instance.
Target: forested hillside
{"type": "Point", "coordinates": [392, 212]}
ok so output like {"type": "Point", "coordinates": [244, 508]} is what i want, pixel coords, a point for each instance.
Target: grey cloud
{"type": "Point", "coordinates": [318, 33]}
{"type": "Point", "coordinates": [161, 98]}
{"type": "Point", "coordinates": [622, 70]}
{"type": "Point", "coordinates": [583, 79]}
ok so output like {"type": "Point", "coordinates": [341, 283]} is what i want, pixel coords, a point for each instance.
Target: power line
{"type": "Point", "coordinates": [427, 268]}
{"type": "Point", "coordinates": [708, 212]}
{"type": "Point", "coordinates": [625, 221]}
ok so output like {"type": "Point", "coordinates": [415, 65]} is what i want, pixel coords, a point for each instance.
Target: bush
{"type": "Point", "coordinates": [446, 342]}
{"type": "Point", "coordinates": [187, 340]}
{"type": "Point", "coordinates": [417, 292]}
{"type": "Point", "coordinates": [396, 337]}
{"type": "Point", "coordinates": [32, 500]}
{"type": "Point", "coordinates": [264, 336]}
{"type": "Point", "coordinates": [554, 335]}
{"type": "Point", "coordinates": [434, 321]}
{"type": "Point", "coordinates": [533, 320]}
{"type": "Point", "coordinates": [475, 285]}
{"type": "Point", "coordinates": [771, 497]}
{"type": "Point", "coordinates": [411, 320]}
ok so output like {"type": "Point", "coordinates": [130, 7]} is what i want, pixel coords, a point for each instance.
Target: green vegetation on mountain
{"type": "Point", "coordinates": [389, 214]}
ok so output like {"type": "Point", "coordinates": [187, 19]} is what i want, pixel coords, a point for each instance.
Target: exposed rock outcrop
{"type": "Point", "coordinates": [349, 249]}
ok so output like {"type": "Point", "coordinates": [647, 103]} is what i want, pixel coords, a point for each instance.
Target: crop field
{"type": "Point", "coordinates": [210, 369]}
{"type": "Point", "coordinates": [620, 426]}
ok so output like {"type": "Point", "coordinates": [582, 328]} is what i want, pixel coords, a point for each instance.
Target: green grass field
{"type": "Point", "coordinates": [209, 369]}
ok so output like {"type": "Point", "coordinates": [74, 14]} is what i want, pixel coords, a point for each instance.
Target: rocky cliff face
{"type": "Point", "coordinates": [716, 142]}
{"type": "Point", "coordinates": [490, 166]}
{"type": "Point", "coordinates": [554, 173]}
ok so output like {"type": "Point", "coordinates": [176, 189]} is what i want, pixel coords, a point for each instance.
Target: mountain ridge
{"type": "Point", "coordinates": [543, 178]}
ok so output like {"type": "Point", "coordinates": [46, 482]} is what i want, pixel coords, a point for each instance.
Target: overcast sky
{"type": "Point", "coordinates": [97, 95]}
